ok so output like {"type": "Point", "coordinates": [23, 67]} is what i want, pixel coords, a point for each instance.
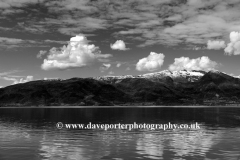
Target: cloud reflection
{"type": "Point", "coordinates": [150, 145]}
{"type": "Point", "coordinates": [190, 143]}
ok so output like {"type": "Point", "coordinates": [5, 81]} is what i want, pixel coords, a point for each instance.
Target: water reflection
{"type": "Point", "coordinates": [150, 145]}
{"type": "Point", "coordinates": [193, 143]}
{"type": "Point", "coordinates": [91, 145]}
{"type": "Point", "coordinates": [31, 134]}
{"type": "Point", "coordinates": [60, 149]}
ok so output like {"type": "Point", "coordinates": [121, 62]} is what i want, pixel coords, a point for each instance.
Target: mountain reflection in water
{"type": "Point", "coordinates": [30, 133]}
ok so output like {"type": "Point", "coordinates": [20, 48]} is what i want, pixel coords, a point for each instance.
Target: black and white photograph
{"type": "Point", "coordinates": [119, 80]}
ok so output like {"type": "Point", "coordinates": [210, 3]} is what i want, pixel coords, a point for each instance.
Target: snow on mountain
{"type": "Point", "coordinates": [177, 76]}
{"type": "Point", "coordinates": [183, 75]}
{"type": "Point", "coordinates": [236, 76]}
{"type": "Point", "coordinates": [175, 73]}
{"type": "Point", "coordinates": [113, 77]}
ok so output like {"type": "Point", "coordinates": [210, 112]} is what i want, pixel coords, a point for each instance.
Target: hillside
{"type": "Point", "coordinates": [75, 91]}
{"type": "Point", "coordinates": [160, 88]}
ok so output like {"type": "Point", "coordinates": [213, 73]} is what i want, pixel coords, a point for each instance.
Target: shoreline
{"type": "Point", "coordinates": [180, 106]}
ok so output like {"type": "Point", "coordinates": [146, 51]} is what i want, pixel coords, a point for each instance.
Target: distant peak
{"type": "Point", "coordinates": [214, 71]}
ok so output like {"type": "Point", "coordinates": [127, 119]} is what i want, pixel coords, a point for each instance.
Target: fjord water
{"type": "Point", "coordinates": [31, 134]}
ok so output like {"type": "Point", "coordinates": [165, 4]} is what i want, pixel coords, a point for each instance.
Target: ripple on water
{"type": "Point", "coordinates": [40, 140]}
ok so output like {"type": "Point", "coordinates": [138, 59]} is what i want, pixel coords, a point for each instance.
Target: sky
{"type": "Point", "coordinates": [48, 39]}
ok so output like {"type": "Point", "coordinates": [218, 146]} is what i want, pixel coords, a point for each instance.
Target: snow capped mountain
{"type": "Point", "coordinates": [105, 78]}
{"type": "Point", "coordinates": [160, 88]}
{"type": "Point", "coordinates": [182, 76]}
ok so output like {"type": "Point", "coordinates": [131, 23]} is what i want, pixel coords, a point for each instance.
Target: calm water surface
{"type": "Point", "coordinates": [31, 134]}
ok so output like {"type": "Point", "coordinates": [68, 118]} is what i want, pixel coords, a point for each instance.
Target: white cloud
{"type": "Point", "coordinates": [215, 45]}
{"type": "Point", "coordinates": [54, 41]}
{"type": "Point", "coordinates": [201, 63]}
{"type": "Point", "coordinates": [9, 43]}
{"type": "Point", "coordinates": [190, 22]}
{"type": "Point", "coordinates": [119, 45]}
{"type": "Point", "coordinates": [41, 54]}
{"type": "Point", "coordinates": [104, 67]}
{"type": "Point", "coordinates": [118, 65]}
{"type": "Point", "coordinates": [45, 78]}
{"type": "Point", "coordinates": [22, 80]}
{"type": "Point", "coordinates": [17, 3]}
{"type": "Point", "coordinates": [233, 48]}
{"type": "Point", "coordinates": [78, 53]}
{"type": "Point", "coordinates": [111, 72]}
{"type": "Point", "coordinates": [176, 17]}
{"type": "Point", "coordinates": [79, 24]}
{"type": "Point", "coordinates": [150, 22]}
{"type": "Point", "coordinates": [10, 40]}
{"type": "Point", "coordinates": [16, 81]}
{"type": "Point", "coordinates": [128, 69]}
{"type": "Point", "coordinates": [8, 73]}
{"type": "Point", "coordinates": [150, 63]}
{"type": "Point", "coordinates": [8, 76]}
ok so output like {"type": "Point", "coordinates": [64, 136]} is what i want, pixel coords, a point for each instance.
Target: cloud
{"type": "Point", "coordinates": [111, 72]}
{"type": "Point", "coordinates": [16, 3]}
{"type": "Point", "coordinates": [46, 78]}
{"type": "Point", "coordinates": [16, 81]}
{"type": "Point", "coordinates": [78, 53]}
{"type": "Point", "coordinates": [10, 40]}
{"type": "Point", "coordinates": [215, 45]}
{"type": "Point", "coordinates": [79, 24]}
{"type": "Point", "coordinates": [196, 48]}
{"type": "Point", "coordinates": [185, 63]}
{"type": "Point", "coordinates": [54, 41]}
{"type": "Point", "coordinates": [176, 17]}
{"type": "Point", "coordinates": [152, 22]}
{"type": "Point", "coordinates": [233, 48]}
{"type": "Point", "coordinates": [151, 63]}
{"type": "Point", "coordinates": [8, 72]}
{"type": "Point", "coordinates": [104, 67]}
{"type": "Point", "coordinates": [182, 22]}
{"type": "Point", "coordinates": [119, 45]}
{"type": "Point", "coordinates": [121, 63]}
{"type": "Point", "coordinates": [41, 54]}
{"type": "Point", "coordinates": [118, 65]}
{"type": "Point", "coordinates": [22, 80]}
{"type": "Point", "coordinates": [6, 42]}
{"type": "Point", "coordinates": [9, 43]}
{"type": "Point", "coordinates": [8, 76]}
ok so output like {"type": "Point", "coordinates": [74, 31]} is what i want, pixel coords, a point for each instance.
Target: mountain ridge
{"type": "Point", "coordinates": [183, 75]}
{"type": "Point", "coordinates": [159, 88]}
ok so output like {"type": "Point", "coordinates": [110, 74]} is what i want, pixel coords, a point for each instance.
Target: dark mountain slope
{"type": "Point", "coordinates": [155, 89]}
{"type": "Point", "coordinates": [75, 91]}
{"type": "Point", "coordinates": [219, 83]}
{"type": "Point", "coordinates": [218, 78]}
{"type": "Point", "coordinates": [145, 90]}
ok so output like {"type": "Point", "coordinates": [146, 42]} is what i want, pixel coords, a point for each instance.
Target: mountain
{"type": "Point", "coordinates": [159, 88]}
{"type": "Point", "coordinates": [218, 78]}
{"type": "Point", "coordinates": [215, 82]}
{"type": "Point", "coordinates": [177, 76]}
{"type": "Point", "coordinates": [75, 91]}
